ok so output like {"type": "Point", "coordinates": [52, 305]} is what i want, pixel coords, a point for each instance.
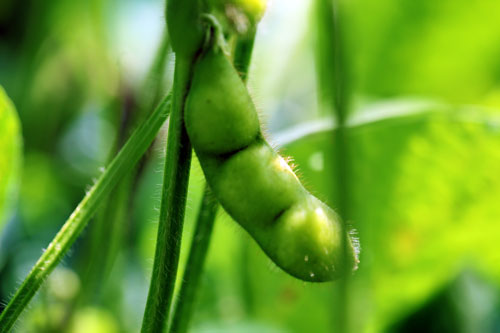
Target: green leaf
{"type": "Point", "coordinates": [10, 156]}
{"type": "Point", "coordinates": [424, 199]}
{"type": "Point", "coordinates": [432, 48]}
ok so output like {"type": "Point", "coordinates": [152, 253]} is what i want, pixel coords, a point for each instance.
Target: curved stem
{"type": "Point", "coordinates": [121, 164]}
{"type": "Point", "coordinates": [175, 182]}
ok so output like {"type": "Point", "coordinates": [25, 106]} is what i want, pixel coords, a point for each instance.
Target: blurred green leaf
{"type": "Point", "coordinates": [445, 48]}
{"type": "Point", "coordinates": [43, 202]}
{"type": "Point", "coordinates": [424, 202]}
{"type": "Point", "coordinates": [10, 156]}
{"type": "Point", "coordinates": [243, 327]}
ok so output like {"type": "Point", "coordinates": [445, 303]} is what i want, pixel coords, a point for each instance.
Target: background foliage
{"type": "Point", "coordinates": [424, 134]}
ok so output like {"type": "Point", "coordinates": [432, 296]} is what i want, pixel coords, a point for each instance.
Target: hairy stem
{"type": "Point", "coordinates": [175, 182]}
{"type": "Point", "coordinates": [117, 169]}
{"type": "Point", "coordinates": [194, 268]}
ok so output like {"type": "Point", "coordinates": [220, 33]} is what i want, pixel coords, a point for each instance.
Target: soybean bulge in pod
{"type": "Point", "coordinates": [253, 183]}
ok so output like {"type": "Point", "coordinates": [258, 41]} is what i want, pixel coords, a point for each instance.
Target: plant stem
{"type": "Point", "coordinates": [183, 307]}
{"type": "Point", "coordinates": [175, 182]}
{"type": "Point", "coordinates": [194, 268]}
{"type": "Point", "coordinates": [334, 88]}
{"type": "Point", "coordinates": [121, 164]}
{"type": "Point", "coordinates": [243, 53]}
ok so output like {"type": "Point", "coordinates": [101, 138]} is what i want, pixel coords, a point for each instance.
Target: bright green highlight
{"type": "Point", "coordinates": [10, 155]}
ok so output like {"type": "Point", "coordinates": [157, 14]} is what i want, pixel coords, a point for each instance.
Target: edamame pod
{"type": "Point", "coordinates": [254, 184]}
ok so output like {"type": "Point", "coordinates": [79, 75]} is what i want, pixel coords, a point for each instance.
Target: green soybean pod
{"type": "Point", "coordinates": [253, 183]}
